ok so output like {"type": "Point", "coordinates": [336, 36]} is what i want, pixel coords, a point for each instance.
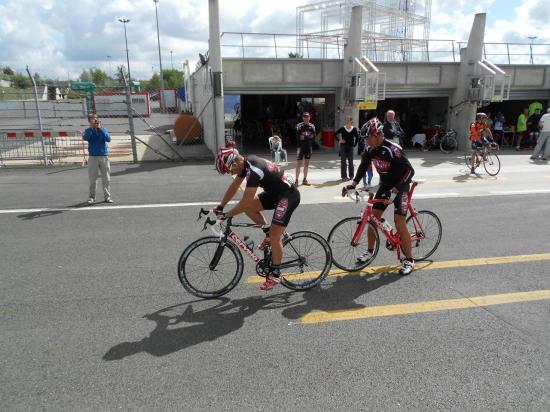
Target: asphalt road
{"type": "Point", "coordinates": [93, 316]}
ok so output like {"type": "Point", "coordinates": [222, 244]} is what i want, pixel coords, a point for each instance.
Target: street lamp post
{"type": "Point", "coordinates": [161, 97]}
{"type": "Point", "coordinates": [532, 39]}
{"type": "Point", "coordinates": [125, 20]}
{"type": "Point", "coordinates": [171, 61]}
{"type": "Point", "coordinates": [109, 60]}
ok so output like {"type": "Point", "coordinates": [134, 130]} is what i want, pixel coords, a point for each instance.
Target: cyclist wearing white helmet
{"type": "Point", "coordinates": [280, 194]}
{"type": "Point", "coordinates": [395, 173]}
{"type": "Point", "coordinates": [477, 131]}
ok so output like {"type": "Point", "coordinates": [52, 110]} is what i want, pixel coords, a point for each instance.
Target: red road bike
{"type": "Point", "coordinates": [348, 240]}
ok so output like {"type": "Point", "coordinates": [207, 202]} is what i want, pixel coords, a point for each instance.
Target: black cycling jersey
{"type": "Point", "coordinates": [390, 162]}
{"type": "Point", "coordinates": [265, 174]}
{"type": "Point", "coordinates": [306, 133]}
{"type": "Point", "coordinates": [351, 136]}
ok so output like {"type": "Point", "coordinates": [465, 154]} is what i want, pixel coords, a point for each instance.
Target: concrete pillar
{"type": "Point", "coordinates": [462, 112]}
{"type": "Point", "coordinates": [352, 49]}
{"type": "Point", "coordinates": [215, 62]}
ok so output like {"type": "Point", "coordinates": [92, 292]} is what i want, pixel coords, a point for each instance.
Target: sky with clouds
{"type": "Point", "coordinates": [58, 38]}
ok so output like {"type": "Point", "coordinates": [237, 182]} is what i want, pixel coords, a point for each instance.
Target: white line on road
{"type": "Point", "coordinates": [305, 200]}
{"type": "Point", "coordinates": [112, 207]}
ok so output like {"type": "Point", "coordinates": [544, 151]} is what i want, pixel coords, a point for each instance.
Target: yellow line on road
{"type": "Point", "coordinates": [446, 264]}
{"type": "Point", "coordinates": [424, 307]}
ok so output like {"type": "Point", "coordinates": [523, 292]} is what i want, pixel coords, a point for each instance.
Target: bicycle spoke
{"type": "Point", "coordinates": [196, 275]}
{"type": "Point", "coordinates": [311, 257]}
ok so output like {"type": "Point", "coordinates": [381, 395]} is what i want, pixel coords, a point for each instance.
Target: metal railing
{"type": "Point", "coordinates": [271, 45]}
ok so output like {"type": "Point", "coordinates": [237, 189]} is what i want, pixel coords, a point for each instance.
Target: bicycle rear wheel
{"type": "Point", "coordinates": [491, 163]}
{"type": "Point", "coordinates": [306, 260]}
{"type": "Point", "coordinates": [344, 254]}
{"type": "Point", "coordinates": [448, 144]}
{"type": "Point", "coordinates": [426, 231]}
{"type": "Point", "coordinates": [197, 276]}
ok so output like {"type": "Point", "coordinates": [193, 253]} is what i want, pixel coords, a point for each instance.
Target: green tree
{"type": "Point", "coordinates": [37, 78]}
{"type": "Point", "coordinates": [99, 77]}
{"type": "Point", "coordinates": [121, 74]}
{"type": "Point", "coordinates": [172, 78]}
{"type": "Point", "coordinates": [292, 55]}
{"type": "Point", "coordinates": [22, 81]}
{"type": "Point", "coordinates": [152, 84]}
{"type": "Point", "coordinates": [85, 76]}
{"type": "Point", "coordinates": [8, 71]}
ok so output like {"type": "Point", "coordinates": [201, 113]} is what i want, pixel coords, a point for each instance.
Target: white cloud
{"type": "Point", "coordinates": [55, 37]}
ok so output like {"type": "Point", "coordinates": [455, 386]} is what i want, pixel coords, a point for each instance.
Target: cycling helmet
{"type": "Point", "coordinates": [371, 127]}
{"type": "Point", "coordinates": [224, 158]}
{"type": "Point", "coordinates": [481, 115]}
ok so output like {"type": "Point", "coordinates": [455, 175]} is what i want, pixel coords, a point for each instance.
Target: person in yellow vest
{"type": "Point", "coordinates": [521, 127]}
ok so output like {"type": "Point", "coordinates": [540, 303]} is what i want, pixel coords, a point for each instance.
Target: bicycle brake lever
{"type": "Point", "coordinates": [202, 212]}
{"type": "Point", "coordinates": [208, 222]}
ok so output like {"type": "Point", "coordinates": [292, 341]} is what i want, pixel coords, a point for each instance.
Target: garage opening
{"type": "Point", "coordinates": [262, 115]}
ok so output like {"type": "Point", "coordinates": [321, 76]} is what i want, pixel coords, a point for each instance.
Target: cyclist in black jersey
{"type": "Point", "coordinates": [396, 173]}
{"type": "Point", "coordinates": [305, 133]}
{"type": "Point", "coordinates": [280, 194]}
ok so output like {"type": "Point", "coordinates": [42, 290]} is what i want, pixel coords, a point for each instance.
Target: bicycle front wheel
{"type": "Point", "coordinates": [426, 231]}
{"type": "Point", "coordinates": [345, 255]}
{"type": "Point", "coordinates": [306, 260]}
{"type": "Point", "coordinates": [209, 267]}
{"type": "Point", "coordinates": [491, 163]}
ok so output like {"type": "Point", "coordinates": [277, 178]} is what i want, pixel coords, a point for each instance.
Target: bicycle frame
{"type": "Point", "coordinates": [230, 234]}
{"type": "Point", "coordinates": [392, 236]}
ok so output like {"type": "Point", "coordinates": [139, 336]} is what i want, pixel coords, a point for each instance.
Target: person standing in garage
{"type": "Point", "coordinates": [349, 137]}
{"type": "Point", "coordinates": [305, 135]}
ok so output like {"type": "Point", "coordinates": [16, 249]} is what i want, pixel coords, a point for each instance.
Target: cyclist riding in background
{"type": "Point", "coordinates": [395, 173]}
{"type": "Point", "coordinates": [280, 193]}
{"type": "Point", "coordinates": [477, 131]}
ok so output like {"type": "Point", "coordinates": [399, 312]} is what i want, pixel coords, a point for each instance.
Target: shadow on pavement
{"type": "Point", "coordinates": [329, 183]}
{"type": "Point", "coordinates": [224, 317]}
{"type": "Point", "coordinates": [45, 213]}
{"type": "Point", "coordinates": [340, 294]}
{"type": "Point", "coordinates": [150, 167]}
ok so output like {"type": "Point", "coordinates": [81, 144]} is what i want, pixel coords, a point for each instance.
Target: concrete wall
{"type": "Point", "coordinates": [26, 109]}
{"type": "Point", "coordinates": [202, 105]}
{"type": "Point", "coordinates": [324, 76]}
{"type": "Point", "coordinates": [281, 75]}
{"type": "Point", "coordinates": [255, 76]}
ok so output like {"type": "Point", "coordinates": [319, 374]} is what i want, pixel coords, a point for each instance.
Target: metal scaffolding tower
{"type": "Point", "coordinates": [393, 30]}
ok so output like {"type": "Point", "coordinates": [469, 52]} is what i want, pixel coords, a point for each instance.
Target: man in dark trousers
{"type": "Point", "coordinates": [349, 137]}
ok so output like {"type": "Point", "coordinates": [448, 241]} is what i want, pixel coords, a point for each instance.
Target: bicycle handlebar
{"type": "Point", "coordinates": [359, 194]}
{"type": "Point", "coordinates": [211, 222]}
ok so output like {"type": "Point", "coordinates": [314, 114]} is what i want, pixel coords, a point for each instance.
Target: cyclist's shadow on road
{"type": "Point", "coordinates": [199, 326]}
{"type": "Point", "coordinates": [340, 294]}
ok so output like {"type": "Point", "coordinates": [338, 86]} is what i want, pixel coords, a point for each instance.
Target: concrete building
{"type": "Point", "coordinates": [272, 92]}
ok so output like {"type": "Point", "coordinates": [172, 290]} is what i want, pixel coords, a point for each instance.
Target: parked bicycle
{"type": "Point", "coordinates": [487, 156]}
{"type": "Point", "coordinates": [212, 266]}
{"type": "Point", "coordinates": [348, 240]}
{"type": "Point", "coordinates": [446, 141]}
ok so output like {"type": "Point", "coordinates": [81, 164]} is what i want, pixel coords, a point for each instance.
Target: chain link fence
{"type": "Point", "coordinates": [48, 127]}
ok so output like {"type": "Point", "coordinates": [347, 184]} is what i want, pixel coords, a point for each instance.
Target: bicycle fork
{"type": "Point", "coordinates": [217, 255]}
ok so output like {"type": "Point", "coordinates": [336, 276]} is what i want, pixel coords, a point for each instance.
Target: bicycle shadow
{"type": "Point", "coordinates": [225, 317]}
{"type": "Point", "coordinates": [342, 293]}
{"type": "Point", "coordinates": [328, 183]}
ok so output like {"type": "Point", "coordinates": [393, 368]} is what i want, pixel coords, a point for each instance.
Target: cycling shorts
{"type": "Point", "coordinates": [304, 152]}
{"type": "Point", "coordinates": [401, 202]}
{"type": "Point", "coordinates": [284, 204]}
{"type": "Point", "coordinates": [476, 145]}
